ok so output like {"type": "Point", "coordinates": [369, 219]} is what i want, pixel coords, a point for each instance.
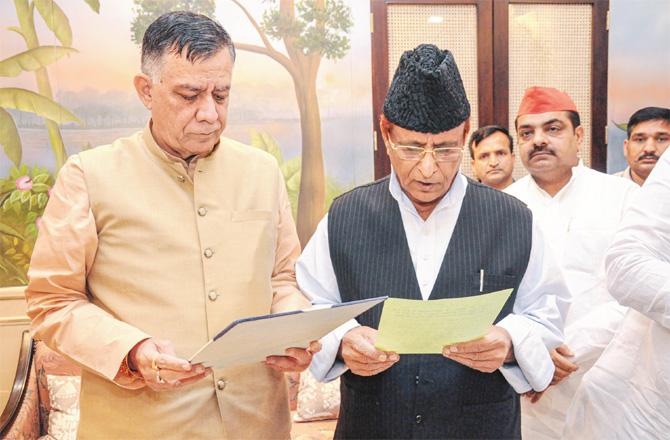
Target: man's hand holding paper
{"type": "Point", "coordinates": [485, 354]}
{"type": "Point", "coordinates": [360, 355]}
{"type": "Point", "coordinates": [458, 328]}
{"type": "Point", "coordinates": [296, 359]}
{"type": "Point", "coordinates": [160, 367]}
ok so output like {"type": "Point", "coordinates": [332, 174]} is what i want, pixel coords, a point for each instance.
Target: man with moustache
{"type": "Point", "coordinates": [648, 137]}
{"type": "Point", "coordinates": [151, 245]}
{"type": "Point", "coordinates": [579, 210]}
{"type": "Point", "coordinates": [427, 232]}
{"type": "Point", "coordinates": [492, 153]}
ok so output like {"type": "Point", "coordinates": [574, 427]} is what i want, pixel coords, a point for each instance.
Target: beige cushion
{"type": "Point", "coordinates": [316, 400]}
{"type": "Point", "coordinates": [64, 402]}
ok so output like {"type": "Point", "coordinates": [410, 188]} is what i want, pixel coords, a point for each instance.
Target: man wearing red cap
{"type": "Point", "coordinates": [579, 210]}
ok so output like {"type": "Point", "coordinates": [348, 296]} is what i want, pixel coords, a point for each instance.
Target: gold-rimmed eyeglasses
{"type": "Point", "coordinates": [414, 153]}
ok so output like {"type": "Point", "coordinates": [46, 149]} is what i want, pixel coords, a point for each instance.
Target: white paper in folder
{"type": "Point", "coordinates": [251, 340]}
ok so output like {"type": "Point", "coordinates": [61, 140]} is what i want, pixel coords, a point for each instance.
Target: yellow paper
{"type": "Point", "coordinates": [409, 326]}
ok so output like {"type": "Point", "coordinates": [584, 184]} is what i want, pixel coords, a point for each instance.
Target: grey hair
{"type": "Point", "coordinates": [175, 31]}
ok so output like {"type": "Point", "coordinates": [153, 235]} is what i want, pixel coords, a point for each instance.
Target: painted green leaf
{"type": "Point", "coordinates": [622, 126]}
{"type": "Point", "coordinates": [27, 101]}
{"type": "Point", "coordinates": [56, 20]}
{"type": "Point", "coordinates": [14, 172]}
{"type": "Point", "coordinates": [16, 207]}
{"type": "Point", "coordinates": [8, 185]}
{"type": "Point", "coordinates": [9, 137]}
{"type": "Point", "coordinates": [33, 202]}
{"type": "Point", "coordinates": [6, 229]}
{"type": "Point", "coordinates": [33, 59]}
{"type": "Point", "coordinates": [40, 178]}
{"type": "Point", "coordinates": [13, 273]}
{"type": "Point", "coordinates": [16, 195]}
{"type": "Point", "coordinates": [40, 187]}
{"type": "Point", "coordinates": [265, 142]}
{"type": "Point", "coordinates": [25, 196]}
{"type": "Point", "coordinates": [17, 30]}
{"type": "Point", "coordinates": [42, 199]}
{"type": "Point", "coordinates": [94, 4]}
{"type": "Point", "coordinates": [31, 230]}
{"type": "Point", "coordinates": [291, 167]}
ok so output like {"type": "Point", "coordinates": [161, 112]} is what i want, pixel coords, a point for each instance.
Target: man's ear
{"type": "Point", "coordinates": [579, 132]}
{"type": "Point", "coordinates": [466, 130]}
{"type": "Point", "coordinates": [143, 85]}
{"type": "Point", "coordinates": [625, 149]}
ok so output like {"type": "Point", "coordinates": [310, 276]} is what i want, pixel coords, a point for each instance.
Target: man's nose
{"type": "Point", "coordinates": [539, 138]}
{"type": "Point", "coordinates": [427, 164]}
{"type": "Point", "coordinates": [207, 111]}
{"type": "Point", "coordinates": [650, 145]}
{"type": "Point", "coordinates": [494, 161]}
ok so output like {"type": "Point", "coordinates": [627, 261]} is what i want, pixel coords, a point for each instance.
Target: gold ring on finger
{"type": "Point", "coordinates": [154, 365]}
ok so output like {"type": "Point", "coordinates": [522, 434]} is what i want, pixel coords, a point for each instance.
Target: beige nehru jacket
{"type": "Point", "coordinates": [131, 245]}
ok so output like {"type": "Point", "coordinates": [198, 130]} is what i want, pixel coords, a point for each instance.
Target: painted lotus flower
{"type": "Point", "coordinates": [24, 183]}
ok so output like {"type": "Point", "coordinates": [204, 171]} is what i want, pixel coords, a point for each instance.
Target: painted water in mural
{"type": "Point", "coordinates": [639, 67]}
{"type": "Point", "coordinates": [66, 69]}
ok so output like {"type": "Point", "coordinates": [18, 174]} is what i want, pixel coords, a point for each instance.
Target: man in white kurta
{"type": "Point", "coordinates": [626, 395]}
{"type": "Point", "coordinates": [579, 210]}
{"type": "Point", "coordinates": [648, 133]}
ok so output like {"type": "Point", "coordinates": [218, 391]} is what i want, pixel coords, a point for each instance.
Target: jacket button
{"type": "Point", "coordinates": [212, 295]}
{"type": "Point", "coordinates": [208, 253]}
{"type": "Point", "coordinates": [202, 211]}
{"type": "Point", "coordinates": [221, 384]}
{"type": "Point", "coordinates": [181, 178]}
{"type": "Point", "coordinates": [418, 418]}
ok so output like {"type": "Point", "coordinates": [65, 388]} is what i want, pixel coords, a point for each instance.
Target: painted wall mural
{"type": "Point", "coordinates": [639, 67]}
{"type": "Point", "coordinates": [301, 91]}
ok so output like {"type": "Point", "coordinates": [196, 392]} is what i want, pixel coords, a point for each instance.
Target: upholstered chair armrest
{"type": "Point", "coordinates": [20, 417]}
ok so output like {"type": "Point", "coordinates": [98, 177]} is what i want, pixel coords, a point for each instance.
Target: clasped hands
{"type": "Point", "coordinates": [563, 369]}
{"type": "Point", "coordinates": [160, 367]}
{"type": "Point", "coordinates": [485, 354]}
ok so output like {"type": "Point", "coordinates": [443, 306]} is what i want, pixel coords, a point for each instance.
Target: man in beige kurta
{"type": "Point", "coordinates": [151, 245]}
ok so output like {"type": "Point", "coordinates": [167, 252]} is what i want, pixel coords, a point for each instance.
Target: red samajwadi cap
{"type": "Point", "coordinates": [545, 99]}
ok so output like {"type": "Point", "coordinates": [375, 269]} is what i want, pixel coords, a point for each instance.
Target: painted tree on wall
{"type": "Point", "coordinates": [310, 31]}
{"type": "Point", "coordinates": [146, 11]}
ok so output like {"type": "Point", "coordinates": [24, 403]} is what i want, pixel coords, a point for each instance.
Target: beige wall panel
{"type": "Point", "coordinates": [452, 27]}
{"type": "Point", "coordinates": [550, 45]}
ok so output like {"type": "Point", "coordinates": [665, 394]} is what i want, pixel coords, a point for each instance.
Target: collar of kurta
{"type": "Point", "coordinates": [576, 172]}
{"type": "Point", "coordinates": [455, 194]}
{"type": "Point", "coordinates": [170, 158]}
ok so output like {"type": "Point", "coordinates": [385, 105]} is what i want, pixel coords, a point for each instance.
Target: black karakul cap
{"type": "Point", "coordinates": [427, 93]}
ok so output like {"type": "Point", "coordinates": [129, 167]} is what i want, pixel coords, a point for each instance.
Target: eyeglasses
{"type": "Point", "coordinates": [414, 153]}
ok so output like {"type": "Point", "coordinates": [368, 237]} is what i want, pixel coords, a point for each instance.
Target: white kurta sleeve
{"type": "Point", "coordinates": [638, 262]}
{"type": "Point", "coordinates": [536, 324]}
{"type": "Point", "coordinates": [316, 279]}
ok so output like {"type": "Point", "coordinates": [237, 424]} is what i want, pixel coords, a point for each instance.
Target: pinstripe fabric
{"type": "Point", "coordinates": [427, 396]}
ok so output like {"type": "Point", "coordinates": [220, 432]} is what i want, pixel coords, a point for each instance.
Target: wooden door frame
{"type": "Point", "coordinates": [493, 68]}
{"type": "Point", "coordinates": [380, 67]}
{"type": "Point", "coordinates": [599, 57]}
